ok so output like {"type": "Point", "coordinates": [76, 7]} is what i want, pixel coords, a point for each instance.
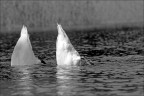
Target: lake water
{"type": "Point", "coordinates": [99, 75]}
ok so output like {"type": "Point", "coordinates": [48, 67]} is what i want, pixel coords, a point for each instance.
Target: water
{"type": "Point", "coordinates": [99, 75]}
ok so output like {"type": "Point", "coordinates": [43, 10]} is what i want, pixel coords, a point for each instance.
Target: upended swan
{"type": "Point", "coordinates": [23, 53]}
{"type": "Point", "coordinates": [65, 52]}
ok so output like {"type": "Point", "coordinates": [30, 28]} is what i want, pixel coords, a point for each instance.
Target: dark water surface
{"type": "Point", "coordinates": [100, 75]}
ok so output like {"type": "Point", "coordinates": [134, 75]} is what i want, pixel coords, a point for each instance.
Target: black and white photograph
{"type": "Point", "coordinates": [71, 47]}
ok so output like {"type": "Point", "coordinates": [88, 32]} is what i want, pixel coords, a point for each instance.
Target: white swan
{"type": "Point", "coordinates": [23, 53]}
{"type": "Point", "coordinates": [65, 52]}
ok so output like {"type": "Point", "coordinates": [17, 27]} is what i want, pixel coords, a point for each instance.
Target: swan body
{"type": "Point", "coordinates": [65, 52]}
{"type": "Point", "coordinates": [23, 53]}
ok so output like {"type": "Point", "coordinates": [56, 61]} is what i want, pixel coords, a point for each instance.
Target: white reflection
{"type": "Point", "coordinates": [24, 83]}
{"type": "Point", "coordinates": [66, 80]}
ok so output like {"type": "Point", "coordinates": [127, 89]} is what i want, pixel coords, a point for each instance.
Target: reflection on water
{"type": "Point", "coordinates": [67, 80]}
{"type": "Point", "coordinates": [23, 85]}
{"type": "Point", "coordinates": [103, 76]}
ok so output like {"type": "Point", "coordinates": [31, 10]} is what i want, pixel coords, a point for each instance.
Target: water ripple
{"type": "Point", "coordinates": [98, 75]}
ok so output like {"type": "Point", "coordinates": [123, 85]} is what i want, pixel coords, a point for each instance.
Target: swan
{"type": "Point", "coordinates": [65, 52]}
{"type": "Point", "coordinates": [23, 53]}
